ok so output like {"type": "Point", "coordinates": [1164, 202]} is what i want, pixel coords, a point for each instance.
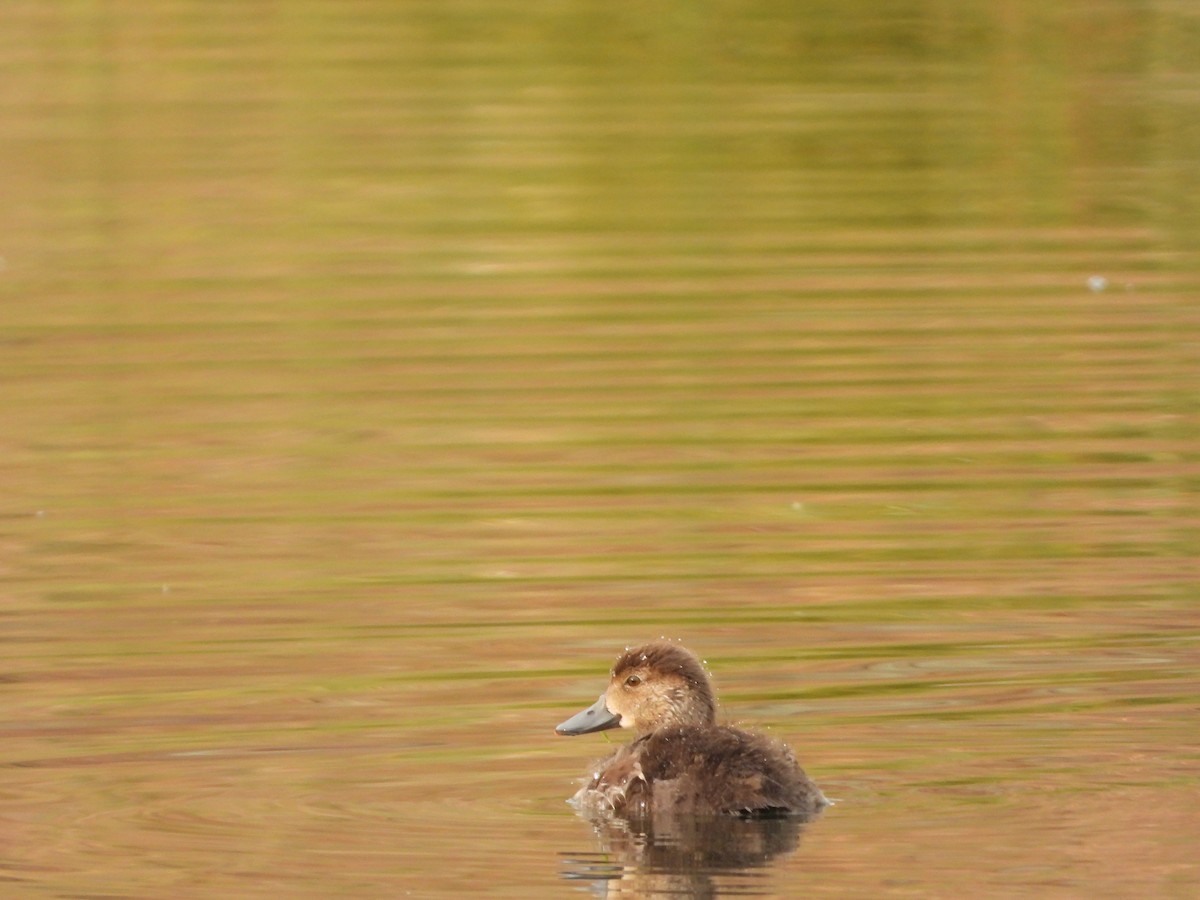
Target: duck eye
{"type": "Point", "coordinates": [633, 680]}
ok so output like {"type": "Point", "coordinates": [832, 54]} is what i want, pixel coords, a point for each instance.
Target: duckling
{"type": "Point", "coordinates": [681, 761]}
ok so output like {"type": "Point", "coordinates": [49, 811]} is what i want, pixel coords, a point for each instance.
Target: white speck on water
{"type": "Point", "coordinates": [1097, 283]}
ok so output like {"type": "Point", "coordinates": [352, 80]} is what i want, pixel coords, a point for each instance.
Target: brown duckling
{"type": "Point", "coordinates": [681, 760]}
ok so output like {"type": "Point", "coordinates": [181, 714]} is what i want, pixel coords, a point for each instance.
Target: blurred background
{"type": "Point", "coordinates": [373, 372]}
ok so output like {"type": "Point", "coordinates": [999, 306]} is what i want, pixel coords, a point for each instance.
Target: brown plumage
{"type": "Point", "coordinates": [681, 761]}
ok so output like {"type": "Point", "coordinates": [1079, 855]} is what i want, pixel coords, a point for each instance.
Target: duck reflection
{"type": "Point", "coordinates": [686, 856]}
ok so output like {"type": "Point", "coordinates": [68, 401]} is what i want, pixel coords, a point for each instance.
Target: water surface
{"type": "Point", "coordinates": [373, 373]}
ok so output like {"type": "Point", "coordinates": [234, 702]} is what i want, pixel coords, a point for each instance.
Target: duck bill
{"type": "Point", "coordinates": [595, 718]}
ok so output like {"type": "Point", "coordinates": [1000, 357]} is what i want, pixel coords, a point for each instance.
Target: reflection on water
{"type": "Point", "coordinates": [688, 857]}
{"type": "Point", "coordinates": [367, 369]}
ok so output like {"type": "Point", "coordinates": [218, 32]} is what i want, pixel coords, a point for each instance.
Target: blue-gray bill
{"type": "Point", "coordinates": [595, 718]}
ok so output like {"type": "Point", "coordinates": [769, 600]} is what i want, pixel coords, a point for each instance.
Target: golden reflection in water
{"type": "Point", "coordinates": [367, 368]}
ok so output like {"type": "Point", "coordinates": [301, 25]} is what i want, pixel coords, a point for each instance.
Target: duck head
{"type": "Point", "coordinates": [650, 687]}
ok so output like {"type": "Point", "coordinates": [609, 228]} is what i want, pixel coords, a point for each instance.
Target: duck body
{"type": "Point", "coordinates": [682, 762]}
{"type": "Point", "coordinates": [701, 770]}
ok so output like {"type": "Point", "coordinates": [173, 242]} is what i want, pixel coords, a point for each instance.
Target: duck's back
{"type": "Point", "coordinates": [714, 769]}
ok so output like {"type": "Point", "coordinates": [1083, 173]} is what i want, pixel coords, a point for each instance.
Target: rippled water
{"type": "Point", "coordinates": [373, 373]}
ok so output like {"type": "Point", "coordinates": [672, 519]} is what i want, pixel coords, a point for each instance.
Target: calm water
{"type": "Point", "coordinates": [372, 373]}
